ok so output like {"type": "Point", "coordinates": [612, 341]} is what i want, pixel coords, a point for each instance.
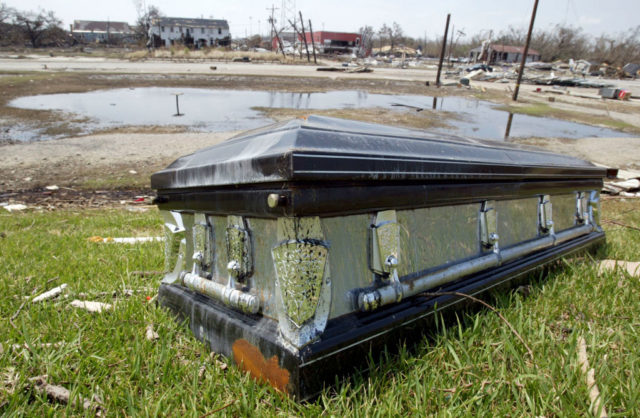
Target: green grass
{"type": "Point", "coordinates": [475, 368]}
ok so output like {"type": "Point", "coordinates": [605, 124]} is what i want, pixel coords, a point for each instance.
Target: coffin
{"type": "Point", "coordinates": [299, 249]}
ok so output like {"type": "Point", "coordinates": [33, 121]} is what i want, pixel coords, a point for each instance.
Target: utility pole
{"type": "Point", "coordinates": [313, 44]}
{"type": "Point", "coordinates": [272, 9]}
{"type": "Point", "coordinates": [453, 33]}
{"type": "Point", "coordinates": [444, 46]}
{"type": "Point", "coordinates": [274, 30]}
{"type": "Point", "coordinates": [304, 37]}
{"type": "Point", "coordinates": [526, 51]}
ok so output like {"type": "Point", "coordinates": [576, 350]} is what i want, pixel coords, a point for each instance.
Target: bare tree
{"type": "Point", "coordinates": [5, 13]}
{"type": "Point", "coordinates": [39, 27]}
{"type": "Point", "coordinates": [145, 20]}
{"type": "Point", "coordinates": [620, 50]}
{"type": "Point", "coordinates": [366, 39]}
{"type": "Point", "coordinates": [385, 32]}
{"type": "Point", "coordinates": [396, 34]}
{"type": "Point", "coordinates": [7, 30]}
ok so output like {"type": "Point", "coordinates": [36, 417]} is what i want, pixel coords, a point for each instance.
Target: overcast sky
{"type": "Point", "coordinates": [417, 18]}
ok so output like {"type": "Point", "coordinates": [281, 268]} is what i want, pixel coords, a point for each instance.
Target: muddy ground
{"type": "Point", "coordinates": [121, 160]}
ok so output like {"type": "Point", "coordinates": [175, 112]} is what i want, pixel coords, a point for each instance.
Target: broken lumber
{"type": "Point", "coordinates": [598, 409]}
{"type": "Point", "coordinates": [49, 294]}
{"type": "Point", "coordinates": [631, 267]}
{"type": "Point", "coordinates": [90, 306]}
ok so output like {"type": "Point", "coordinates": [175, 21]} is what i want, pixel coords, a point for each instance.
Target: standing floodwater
{"type": "Point", "coordinates": [211, 110]}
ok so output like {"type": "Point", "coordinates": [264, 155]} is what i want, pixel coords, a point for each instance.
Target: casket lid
{"type": "Point", "coordinates": [321, 148]}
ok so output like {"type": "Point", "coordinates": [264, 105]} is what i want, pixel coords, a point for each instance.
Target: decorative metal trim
{"type": "Point", "coordinates": [545, 215]}
{"type": "Point", "coordinates": [594, 209]}
{"type": "Point", "coordinates": [303, 286]}
{"type": "Point", "coordinates": [489, 225]}
{"type": "Point", "coordinates": [203, 244]}
{"type": "Point", "coordinates": [300, 269]}
{"type": "Point", "coordinates": [385, 243]}
{"type": "Point", "coordinates": [174, 246]}
{"type": "Point", "coordinates": [240, 261]}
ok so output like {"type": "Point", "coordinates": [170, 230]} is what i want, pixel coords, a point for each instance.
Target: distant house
{"type": "Point", "coordinates": [96, 31]}
{"type": "Point", "coordinates": [502, 53]}
{"type": "Point", "coordinates": [167, 31]}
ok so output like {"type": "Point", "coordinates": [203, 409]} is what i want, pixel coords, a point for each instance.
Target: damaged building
{"type": "Point", "coordinates": [334, 42]}
{"type": "Point", "coordinates": [167, 31]}
{"type": "Point", "coordinates": [95, 31]}
{"type": "Point", "coordinates": [502, 53]}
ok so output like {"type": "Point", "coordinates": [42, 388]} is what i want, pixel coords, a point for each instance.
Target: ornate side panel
{"type": "Point", "coordinates": [303, 284]}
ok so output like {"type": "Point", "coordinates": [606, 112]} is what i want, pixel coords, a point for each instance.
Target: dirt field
{"type": "Point", "coordinates": [121, 159]}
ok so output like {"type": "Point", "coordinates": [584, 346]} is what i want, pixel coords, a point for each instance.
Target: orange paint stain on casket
{"type": "Point", "coordinates": [249, 358]}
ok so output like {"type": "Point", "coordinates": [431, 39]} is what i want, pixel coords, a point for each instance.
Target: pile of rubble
{"type": "Point", "coordinates": [627, 184]}
{"type": "Point", "coordinates": [573, 74]}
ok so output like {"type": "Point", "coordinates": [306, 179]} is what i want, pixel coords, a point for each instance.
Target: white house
{"type": "Point", "coordinates": [167, 31]}
{"type": "Point", "coordinates": [502, 53]}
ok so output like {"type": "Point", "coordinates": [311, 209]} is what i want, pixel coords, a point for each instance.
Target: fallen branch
{"type": "Point", "coordinates": [464, 295]}
{"type": "Point", "coordinates": [15, 315]}
{"type": "Point", "coordinates": [597, 408]}
{"type": "Point", "coordinates": [219, 409]}
{"type": "Point", "coordinates": [611, 221]}
{"type": "Point", "coordinates": [146, 273]}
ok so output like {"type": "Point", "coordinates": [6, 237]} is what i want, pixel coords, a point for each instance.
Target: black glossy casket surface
{"type": "Point", "coordinates": [325, 165]}
{"type": "Point", "coordinates": [298, 249]}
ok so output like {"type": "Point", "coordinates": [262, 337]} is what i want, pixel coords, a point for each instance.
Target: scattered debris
{"type": "Point", "coordinates": [15, 206]}
{"type": "Point", "coordinates": [631, 267]}
{"type": "Point", "coordinates": [150, 334]}
{"type": "Point", "coordinates": [613, 93]}
{"type": "Point", "coordinates": [116, 293]}
{"type": "Point", "coordinates": [62, 395]}
{"type": "Point", "coordinates": [10, 380]}
{"type": "Point", "coordinates": [627, 184]}
{"type": "Point", "coordinates": [597, 408]}
{"type": "Point", "coordinates": [128, 240]}
{"type": "Point", "coordinates": [137, 209]}
{"type": "Point", "coordinates": [90, 306]}
{"type": "Point", "coordinates": [219, 363]}
{"type": "Point", "coordinates": [631, 70]}
{"type": "Point", "coordinates": [361, 69]}
{"type": "Point", "coordinates": [201, 372]}
{"type": "Point", "coordinates": [25, 346]}
{"type": "Point", "coordinates": [628, 174]}
{"type": "Point", "coordinates": [50, 294]}
{"type": "Point", "coordinates": [417, 108]}
{"type": "Point", "coordinates": [150, 273]}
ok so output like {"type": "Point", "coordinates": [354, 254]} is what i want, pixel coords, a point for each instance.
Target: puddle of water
{"type": "Point", "coordinates": [212, 110]}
